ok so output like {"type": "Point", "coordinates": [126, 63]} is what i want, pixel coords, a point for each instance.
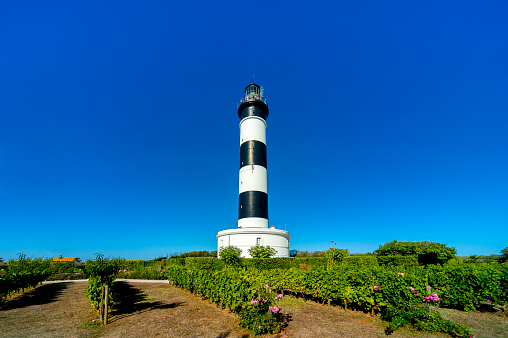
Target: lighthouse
{"type": "Point", "coordinates": [253, 226]}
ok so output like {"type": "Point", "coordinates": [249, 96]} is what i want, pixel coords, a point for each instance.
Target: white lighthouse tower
{"type": "Point", "coordinates": [253, 187]}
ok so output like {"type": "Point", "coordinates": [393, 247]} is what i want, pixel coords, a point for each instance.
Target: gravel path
{"type": "Point", "coordinates": [164, 281]}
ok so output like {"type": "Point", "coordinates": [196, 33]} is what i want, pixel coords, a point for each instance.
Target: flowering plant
{"type": "Point", "coordinates": [263, 315]}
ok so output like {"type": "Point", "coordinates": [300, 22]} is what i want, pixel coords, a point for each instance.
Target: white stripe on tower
{"type": "Point", "coordinates": [253, 187]}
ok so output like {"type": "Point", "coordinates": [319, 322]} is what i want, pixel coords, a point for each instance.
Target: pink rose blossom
{"type": "Point", "coordinates": [274, 309]}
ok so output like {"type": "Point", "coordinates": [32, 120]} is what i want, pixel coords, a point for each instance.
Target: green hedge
{"type": "Point", "coordinates": [304, 263]}
{"type": "Point", "coordinates": [361, 261]}
{"type": "Point", "coordinates": [398, 260]}
{"type": "Point", "coordinates": [375, 289]}
{"type": "Point", "coordinates": [206, 263]}
{"type": "Point", "coordinates": [466, 286]}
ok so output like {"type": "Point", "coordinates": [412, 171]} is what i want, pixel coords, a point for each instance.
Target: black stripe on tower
{"type": "Point", "coordinates": [253, 108]}
{"type": "Point", "coordinates": [253, 204]}
{"type": "Point", "coordinates": [253, 152]}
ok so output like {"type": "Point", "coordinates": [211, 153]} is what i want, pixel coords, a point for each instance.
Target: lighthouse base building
{"type": "Point", "coordinates": [253, 188]}
{"type": "Point", "coordinates": [249, 237]}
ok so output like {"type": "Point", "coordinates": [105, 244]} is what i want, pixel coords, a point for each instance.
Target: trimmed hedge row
{"type": "Point", "coordinates": [231, 288]}
{"type": "Point", "coordinates": [304, 263]}
{"type": "Point", "coordinates": [48, 265]}
{"type": "Point", "coordinates": [13, 282]}
{"type": "Point", "coordinates": [385, 290]}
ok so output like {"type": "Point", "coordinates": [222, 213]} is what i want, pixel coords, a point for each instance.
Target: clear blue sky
{"type": "Point", "coordinates": [119, 131]}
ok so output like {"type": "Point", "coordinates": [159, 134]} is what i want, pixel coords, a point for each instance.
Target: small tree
{"type": "Point", "coordinates": [260, 251]}
{"type": "Point", "coordinates": [230, 255]}
{"type": "Point", "coordinates": [504, 255]}
{"type": "Point", "coordinates": [334, 256]}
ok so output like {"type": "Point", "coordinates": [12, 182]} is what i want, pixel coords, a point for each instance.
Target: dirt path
{"type": "Point", "coordinates": [154, 309]}
{"type": "Point", "coordinates": [52, 310]}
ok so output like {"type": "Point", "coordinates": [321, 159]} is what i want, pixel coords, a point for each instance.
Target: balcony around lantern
{"type": "Point", "coordinates": [252, 98]}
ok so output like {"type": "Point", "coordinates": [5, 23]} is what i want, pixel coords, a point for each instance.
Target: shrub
{"type": "Point", "coordinates": [230, 255]}
{"type": "Point", "coordinates": [263, 315]}
{"type": "Point", "coordinates": [361, 261]}
{"type": "Point", "coordinates": [398, 260]}
{"type": "Point", "coordinates": [427, 252]}
{"type": "Point", "coordinates": [504, 255]}
{"type": "Point", "coordinates": [334, 257]}
{"type": "Point", "coordinates": [261, 251]}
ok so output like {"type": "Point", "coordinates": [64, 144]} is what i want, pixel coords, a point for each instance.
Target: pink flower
{"type": "Point", "coordinates": [377, 288]}
{"type": "Point", "coordinates": [412, 289]}
{"type": "Point", "coordinates": [234, 321]}
{"type": "Point", "coordinates": [400, 274]}
{"type": "Point", "coordinates": [259, 327]}
{"type": "Point", "coordinates": [274, 309]}
{"type": "Point", "coordinates": [416, 295]}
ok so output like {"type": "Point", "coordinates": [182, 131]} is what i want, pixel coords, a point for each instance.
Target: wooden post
{"type": "Point", "coordinates": [329, 301]}
{"type": "Point", "coordinates": [106, 306]}
{"type": "Point", "coordinates": [101, 306]}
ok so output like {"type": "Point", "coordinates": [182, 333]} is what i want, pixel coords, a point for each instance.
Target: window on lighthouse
{"type": "Point", "coordinates": [258, 241]}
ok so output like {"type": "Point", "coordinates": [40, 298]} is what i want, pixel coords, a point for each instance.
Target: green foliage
{"type": "Point", "coordinates": [230, 255]}
{"type": "Point", "coordinates": [206, 263]}
{"type": "Point", "coordinates": [398, 260]}
{"type": "Point", "coordinates": [284, 263]}
{"type": "Point", "coordinates": [461, 286]}
{"type": "Point", "coordinates": [23, 273]}
{"type": "Point", "coordinates": [427, 252]}
{"type": "Point", "coordinates": [504, 255]}
{"type": "Point", "coordinates": [334, 257]}
{"type": "Point", "coordinates": [424, 319]}
{"type": "Point", "coordinates": [361, 261]}
{"type": "Point", "coordinates": [309, 253]}
{"type": "Point", "coordinates": [195, 254]}
{"type": "Point", "coordinates": [263, 315]}
{"type": "Point", "coordinates": [466, 286]}
{"type": "Point", "coordinates": [173, 261]}
{"type": "Point", "coordinates": [261, 251]}
{"type": "Point", "coordinates": [100, 272]}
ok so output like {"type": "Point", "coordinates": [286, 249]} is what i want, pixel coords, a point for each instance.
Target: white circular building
{"type": "Point", "coordinates": [253, 188]}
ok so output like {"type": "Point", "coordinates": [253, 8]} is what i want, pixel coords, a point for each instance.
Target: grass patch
{"type": "Point", "coordinates": [89, 326]}
{"type": "Point", "coordinates": [481, 324]}
{"type": "Point", "coordinates": [287, 303]}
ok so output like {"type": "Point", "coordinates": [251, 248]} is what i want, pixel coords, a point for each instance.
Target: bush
{"type": "Point", "coordinates": [263, 315]}
{"type": "Point", "coordinates": [204, 263]}
{"type": "Point", "coordinates": [504, 255]}
{"type": "Point", "coordinates": [261, 251]}
{"type": "Point", "coordinates": [334, 257]}
{"type": "Point", "coordinates": [398, 260]}
{"type": "Point", "coordinates": [427, 252]}
{"type": "Point", "coordinates": [361, 261]}
{"type": "Point", "coordinates": [100, 272]}
{"type": "Point", "coordinates": [230, 255]}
